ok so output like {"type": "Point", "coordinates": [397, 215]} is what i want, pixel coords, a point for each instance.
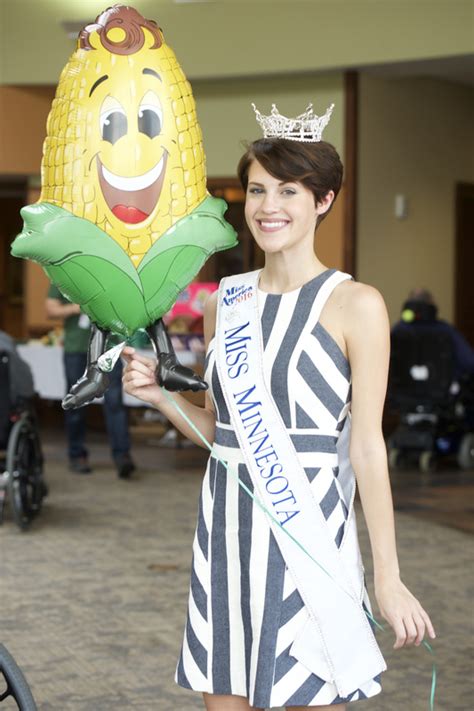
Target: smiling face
{"type": "Point", "coordinates": [131, 199]}
{"type": "Point", "coordinates": [280, 215]}
{"type": "Point", "coordinates": [131, 145]}
{"type": "Point", "coordinates": [124, 148]}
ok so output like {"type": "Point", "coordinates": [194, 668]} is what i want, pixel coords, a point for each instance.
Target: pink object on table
{"type": "Point", "coordinates": [191, 301]}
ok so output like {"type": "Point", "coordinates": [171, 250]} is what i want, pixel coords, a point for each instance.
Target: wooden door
{"type": "Point", "coordinates": [13, 194]}
{"type": "Point", "coordinates": [464, 283]}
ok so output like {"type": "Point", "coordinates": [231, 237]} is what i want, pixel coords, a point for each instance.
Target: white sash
{"type": "Point", "coordinates": [337, 643]}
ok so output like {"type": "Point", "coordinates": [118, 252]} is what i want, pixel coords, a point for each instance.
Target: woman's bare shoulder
{"type": "Point", "coordinates": [210, 315]}
{"type": "Point", "coordinates": [357, 297]}
{"type": "Point", "coordinates": [361, 304]}
{"type": "Point", "coordinates": [211, 303]}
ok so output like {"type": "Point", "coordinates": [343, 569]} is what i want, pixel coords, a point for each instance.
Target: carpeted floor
{"type": "Point", "coordinates": [93, 597]}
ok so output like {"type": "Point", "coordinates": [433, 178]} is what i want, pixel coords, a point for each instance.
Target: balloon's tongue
{"type": "Point", "coordinates": [129, 214]}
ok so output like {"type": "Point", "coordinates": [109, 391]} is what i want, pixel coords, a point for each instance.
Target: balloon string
{"type": "Point", "coordinates": [236, 477]}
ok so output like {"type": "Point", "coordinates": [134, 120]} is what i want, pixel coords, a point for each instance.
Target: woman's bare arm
{"type": "Point", "coordinates": [139, 380]}
{"type": "Point", "coordinates": [367, 335]}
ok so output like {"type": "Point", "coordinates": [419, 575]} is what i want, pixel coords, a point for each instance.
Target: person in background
{"type": "Point", "coordinates": [420, 310]}
{"type": "Point", "coordinates": [21, 380]}
{"type": "Point", "coordinates": [76, 339]}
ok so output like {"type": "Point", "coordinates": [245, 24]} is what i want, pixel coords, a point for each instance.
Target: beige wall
{"type": "Point", "coordinates": [416, 139]}
{"type": "Point", "coordinates": [224, 111]}
{"type": "Point", "coordinates": [227, 118]}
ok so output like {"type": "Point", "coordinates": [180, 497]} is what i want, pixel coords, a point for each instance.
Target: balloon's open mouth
{"type": "Point", "coordinates": [132, 200]}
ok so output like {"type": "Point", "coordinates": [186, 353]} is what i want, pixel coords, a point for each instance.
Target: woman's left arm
{"type": "Point", "coordinates": [367, 335]}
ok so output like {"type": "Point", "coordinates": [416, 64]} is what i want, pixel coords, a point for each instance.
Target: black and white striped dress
{"type": "Point", "coordinates": [244, 610]}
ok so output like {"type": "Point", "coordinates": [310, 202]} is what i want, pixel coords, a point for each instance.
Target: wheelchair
{"type": "Point", "coordinates": [436, 412]}
{"type": "Point", "coordinates": [13, 684]}
{"type": "Point", "coordinates": [21, 458]}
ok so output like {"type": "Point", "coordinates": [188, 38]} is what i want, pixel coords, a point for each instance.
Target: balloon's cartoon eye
{"type": "Point", "coordinates": [150, 115]}
{"type": "Point", "coordinates": [113, 124]}
{"type": "Point", "coordinates": [149, 121]}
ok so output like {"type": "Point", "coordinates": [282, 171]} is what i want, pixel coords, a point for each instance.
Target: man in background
{"type": "Point", "coordinates": [420, 310]}
{"type": "Point", "coordinates": [76, 339]}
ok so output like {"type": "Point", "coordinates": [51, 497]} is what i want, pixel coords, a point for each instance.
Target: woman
{"type": "Point", "coordinates": [322, 349]}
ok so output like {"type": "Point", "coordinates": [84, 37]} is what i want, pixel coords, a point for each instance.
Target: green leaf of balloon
{"type": "Point", "coordinates": [174, 266]}
{"type": "Point", "coordinates": [108, 296]}
{"type": "Point", "coordinates": [92, 270]}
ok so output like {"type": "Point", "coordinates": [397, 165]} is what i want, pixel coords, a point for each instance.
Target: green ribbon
{"type": "Point", "coordinates": [236, 477]}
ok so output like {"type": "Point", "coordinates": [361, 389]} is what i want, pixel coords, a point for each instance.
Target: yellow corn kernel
{"type": "Point", "coordinates": [58, 175]}
{"type": "Point", "coordinates": [76, 169]}
{"type": "Point", "coordinates": [140, 244]}
{"type": "Point", "coordinates": [191, 195]}
{"type": "Point", "coordinates": [58, 156]}
{"type": "Point", "coordinates": [200, 175]}
{"type": "Point", "coordinates": [90, 211]}
{"type": "Point", "coordinates": [178, 107]}
{"type": "Point", "coordinates": [76, 193]}
{"type": "Point", "coordinates": [88, 192]}
{"type": "Point", "coordinates": [68, 173]}
{"type": "Point", "coordinates": [177, 184]}
{"type": "Point", "coordinates": [121, 239]}
{"type": "Point", "coordinates": [179, 206]}
{"type": "Point", "coordinates": [175, 93]}
{"type": "Point", "coordinates": [194, 134]}
{"type": "Point", "coordinates": [190, 177]}
{"type": "Point", "coordinates": [187, 159]}
{"type": "Point", "coordinates": [184, 140]}
{"type": "Point", "coordinates": [67, 195]}
{"type": "Point", "coordinates": [198, 155]}
{"type": "Point", "coordinates": [182, 122]}
{"type": "Point", "coordinates": [68, 152]}
{"type": "Point", "coordinates": [188, 103]}
{"type": "Point", "coordinates": [78, 209]}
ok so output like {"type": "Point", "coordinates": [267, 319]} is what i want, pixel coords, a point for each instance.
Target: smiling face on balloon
{"type": "Point", "coordinates": [124, 148]}
{"type": "Point", "coordinates": [131, 165]}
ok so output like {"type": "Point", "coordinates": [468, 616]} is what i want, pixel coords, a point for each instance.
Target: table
{"type": "Point", "coordinates": [46, 363]}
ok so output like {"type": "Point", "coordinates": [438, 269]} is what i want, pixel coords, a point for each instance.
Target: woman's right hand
{"type": "Point", "coordinates": [139, 377]}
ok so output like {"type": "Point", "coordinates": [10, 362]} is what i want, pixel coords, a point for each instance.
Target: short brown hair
{"type": "Point", "coordinates": [316, 165]}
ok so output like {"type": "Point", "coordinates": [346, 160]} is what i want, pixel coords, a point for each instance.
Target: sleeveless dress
{"type": "Point", "coordinates": [244, 610]}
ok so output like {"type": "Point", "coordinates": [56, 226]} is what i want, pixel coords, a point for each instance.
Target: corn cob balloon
{"type": "Point", "coordinates": [123, 146]}
{"type": "Point", "coordinates": [124, 222]}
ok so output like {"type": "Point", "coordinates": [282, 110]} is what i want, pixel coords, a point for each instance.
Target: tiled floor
{"type": "Point", "coordinates": [93, 598]}
{"type": "Point", "coordinates": [445, 496]}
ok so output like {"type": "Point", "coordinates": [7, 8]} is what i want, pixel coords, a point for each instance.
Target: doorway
{"type": "Point", "coordinates": [13, 196]}
{"type": "Point", "coordinates": [464, 246]}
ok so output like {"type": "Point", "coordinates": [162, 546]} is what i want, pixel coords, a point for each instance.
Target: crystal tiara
{"type": "Point", "coordinates": [306, 127]}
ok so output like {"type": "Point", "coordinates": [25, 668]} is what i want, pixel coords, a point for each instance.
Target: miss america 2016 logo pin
{"type": "Point", "coordinates": [233, 297]}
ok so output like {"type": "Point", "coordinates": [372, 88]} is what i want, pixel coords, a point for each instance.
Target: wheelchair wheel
{"type": "Point", "coordinates": [466, 452]}
{"type": "Point", "coordinates": [427, 462]}
{"type": "Point", "coordinates": [16, 685]}
{"type": "Point", "coordinates": [25, 468]}
{"type": "Point", "coordinates": [3, 489]}
{"type": "Point", "coordinates": [394, 459]}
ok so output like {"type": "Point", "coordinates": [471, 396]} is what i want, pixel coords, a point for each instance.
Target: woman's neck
{"type": "Point", "coordinates": [284, 272]}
